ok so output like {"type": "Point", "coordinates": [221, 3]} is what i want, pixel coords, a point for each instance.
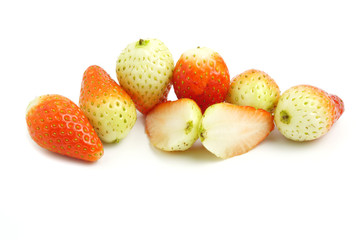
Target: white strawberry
{"type": "Point", "coordinates": [144, 69]}
{"type": "Point", "coordinates": [228, 130]}
{"type": "Point", "coordinates": [306, 112]}
{"type": "Point", "coordinates": [174, 126]}
{"type": "Point", "coordinates": [254, 88]}
{"type": "Point", "coordinates": [109, 108]}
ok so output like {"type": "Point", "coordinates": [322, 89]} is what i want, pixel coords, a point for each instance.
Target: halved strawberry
{"type": "Point", "coordinates": [58, 125]}
{"type": "Point", "coordinates": [174, 126]}
{"type": "Point", "coordinates": [228, 130]}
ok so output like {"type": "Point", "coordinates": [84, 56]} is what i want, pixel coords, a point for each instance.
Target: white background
{"type": "Point", "coordinates": [279, 190]}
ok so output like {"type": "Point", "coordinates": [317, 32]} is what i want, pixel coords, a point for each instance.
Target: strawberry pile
{"type": "Point", "coordinates": [230, 117]}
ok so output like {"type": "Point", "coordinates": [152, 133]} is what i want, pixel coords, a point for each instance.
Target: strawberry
{"type": "Point", "coordinates": [339, 106]}
{"type": "Point", "coordinates": [202, 75]}
{"type": "Point", "coordinates": [254, 88]}
{"type": "Point", "coordinates": [174, 126]}
{"type": "Point", "coordinates": [228, 130]}
{"type": "Point", "coordinates": [108, 107]}
{"type": "Point", "coordinates": [144, 69]}
{"type": "Point", "coordinates": [306, 112]}
{"type": "Point", "coordinates": [58, 125]}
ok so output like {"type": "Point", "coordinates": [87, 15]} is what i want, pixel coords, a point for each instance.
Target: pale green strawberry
{"type": "Point", "coordinates": [254, 88]}
{"type": "Point", "coordinates": [306, 112]}
{"type": "Point", "coordinates": [108, 107]}
{"type": "Point", "coordinates": [144, 69]}
{"type": "Point", "coordinates": [174, 125]}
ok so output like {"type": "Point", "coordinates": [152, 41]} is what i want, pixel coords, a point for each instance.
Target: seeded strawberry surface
{"type": "Point", "coordinates": [339, 106]}
{"type": "Point", "coordinates": [254, 88]}
{"type": "Point", "coordinates": [144, 69]}
{"type": "Point", "coordinates": [58, 125]}
{"type": "Point", "coordinates": [108, 107]}
{"type": "Point", "coordinates": [305, 113]}
{"type": "Point", "coordinates": [202, 75]}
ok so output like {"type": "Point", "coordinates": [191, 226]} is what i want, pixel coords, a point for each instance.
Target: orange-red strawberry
{"type": "Point", "coordinates": [58, 125]}
{"type": "Point", "coordinates": [108, 107]}
{"type": "Point", "coordinates": [202, 75]}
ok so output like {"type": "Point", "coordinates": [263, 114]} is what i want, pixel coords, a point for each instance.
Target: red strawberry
{"type": "Point", "coordinates": [58, 125]}
{"type": "Point", "coordinates": [202, 75]}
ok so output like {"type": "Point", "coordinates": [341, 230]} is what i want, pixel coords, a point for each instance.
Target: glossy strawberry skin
{"type": "Point", "coordinates": [306, 112]}
{"type": "Point", "coordinates": [108, 107]}
{"type": "Point", "coordinates": [58, 125]}
{"type": "Point", "coordinates": [254, 88]}
{"type": "Point", "coordinates": [202, 75]}
{"type": "Point", "coordinates": [339, 106]}
{"type": "Point", "coordinates": [144, 70]}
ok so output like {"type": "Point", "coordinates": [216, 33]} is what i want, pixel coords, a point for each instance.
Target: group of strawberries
{"type": "Point", "coordinates": [229, 117]}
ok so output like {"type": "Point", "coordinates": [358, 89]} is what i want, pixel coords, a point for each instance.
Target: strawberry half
{"type": "Point", "coordinates": [58, 125]}
{"type": "Point", "coordinates": [174, 125]}
{"type": "Point", "coordinates": [108, 107]}
{"type": "Point", "coordinates": [202, 75]}
{"type": "Point", "coordinates": [228, 130]}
